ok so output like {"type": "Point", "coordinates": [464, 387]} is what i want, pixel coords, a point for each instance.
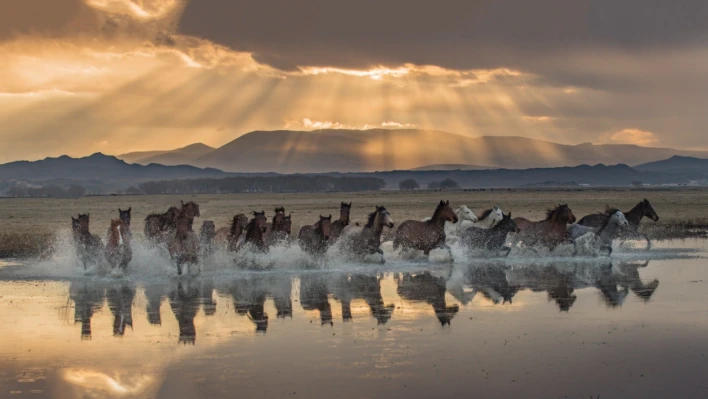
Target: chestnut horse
{"type": "Point", "coordinates": [634, 217]}
{"type": "Point", "coordinates": [343, 221]}
{"type": "Point", "coordinates": [157, 224]}
{"type": "Point", "coordinates": [549, 232]}
{"type": "Point", "coordinates": [313, 239]}
{"type": "Point", "coordinates": [426, 236]}
{"type": "Point", "coordinates": [117, 250]}
{"type": "Point", "coordinates": [125, 217]}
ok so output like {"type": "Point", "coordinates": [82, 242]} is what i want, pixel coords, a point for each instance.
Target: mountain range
{"type": "Point", "coordinates": [340, 150]}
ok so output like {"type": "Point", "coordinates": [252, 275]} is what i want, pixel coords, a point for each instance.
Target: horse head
{"type": "Point", "coordinates": [619, 219]}
{"type": "Point", "coordinates": [124, 216]}
{"type": "Point", "coordinates": [562, 214]}
{"type": "Point", "coordinates": [648, 211]}
{"type": "Point", "coordinates": [261, 221]}
{"type": "Point", "coordinates": [190, 209]}
{"type": "Point", "coordinates": [83, 221]}
{"type": "Point", "coordinates": [384, 217]}
{"type": "Point", "coordinates": [75, 226]}
{"type": "Point", "coordinates": [344, 211]}
{"type": "Point", "coordinates": [507, 224]}
{"type": "Point", "coordinates": [288, 224]}
{"type": "Point", "coordinates": [497, 214]}
{"type": "Point", "coordinates": [325, 226]}
{"type": "Point", "coordinates": [208, 229]}
{"type": "Point", "coordinates": [466, 213]}
{"type": "Point", "coordinates": [279, 217]}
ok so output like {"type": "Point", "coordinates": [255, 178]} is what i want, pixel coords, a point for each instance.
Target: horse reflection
{"type": "Point", "coordinates": [615, 283]}
{"type": "Point", "coordinates": [492, 283]}
{"type": "Point", "coordinates": [120, 302]}
{"type": "Point", "coordinates": [315, 296]}
{"type": "Point", "coordinates": [427, 288]}
{"type": "Point", "coordinates": [88, 298]}
{"type": "Point", "coordinates": [184, 301]}
{"type": "Point", "coordinates": [559, 283]}
{"type": "Point", "coordinates": [282, 287]}
{"type": "Point", "coordinates": [364, 287]}
{"type": "Point", "coordinates": [249, 296]}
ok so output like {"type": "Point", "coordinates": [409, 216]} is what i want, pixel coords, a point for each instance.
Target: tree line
{"type": "Point", "coordinates": [72, 191]}
{"type": "Point", "coordinates": [260, 184]}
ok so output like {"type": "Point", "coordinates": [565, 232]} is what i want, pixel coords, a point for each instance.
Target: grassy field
{"type": "Point", "coordinates": [28, 223]}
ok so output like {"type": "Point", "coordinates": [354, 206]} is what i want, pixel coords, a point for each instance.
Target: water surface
{"type": "Point", "coordinates": [634, 325]}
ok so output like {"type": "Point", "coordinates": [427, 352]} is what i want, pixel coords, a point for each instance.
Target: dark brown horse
{"type": "Point", "coordinates": [634, 217]}
{"type": "Point", "coordinates": [183, 244]}
{"type": "Point", "coordinates": [255, 232]}
{"type": "Point", "coordinates": [89, 247]}
{"type": "Point", "coordinates": [117, 251]}
{"type": "Point", "coordinates": [314, 239]}
{"type": "Point", "coordinates": [492, 239]}
{"type": "Point", "coordinates": [426, 236]}
{"type": "Point", "coordinates": [366, 240]}
{"type": "Point", "coordinates": [549, 232]}
{"type": "Point", "coordinates": [343, 221]}
{"type": "Point", "coordinates": [280, 228]}
{"type": "Point", "coordinates": [158, 225]}
{"type": "Point", "coordinates": [190, 210]}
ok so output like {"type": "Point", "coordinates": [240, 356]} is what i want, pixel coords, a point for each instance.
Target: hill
{"type": "Point", "coordinates": [287, 151]}
{"type": "Point", "coordinates": [452, 166]}
{"type": "Point", "coordinates": [98, 172]}
{"type": "Point", "coordinates": [180, 156]}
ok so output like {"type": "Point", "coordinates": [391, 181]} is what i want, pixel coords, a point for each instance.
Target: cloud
{"type": "Point", "coordinates": [310, 124]}
{"type": "Point", "coordinates": [631, 136]}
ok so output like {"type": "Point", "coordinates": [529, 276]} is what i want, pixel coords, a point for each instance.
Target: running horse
{"type": "Point", "coordinates": [426, 236]}
{"type": "Point", "coordinates": [117, 252]}
{"type": "Point", "coordinates": [89, 247]}
{"type": "Point", "coordinates": [550, 232]}
{"type": "Point", "coordinates": [492, 239]}
{"type": "Point", "coordinates": [190, 210]}
{"type": "Point", "coordinates": [125, 217]}
{"type": "Point", "coordinates": [157, 225]}
{"type": "Point", "coordinates": [183, 244]}
{"type": "Point", "coordinates": [255, 232]}
{"type": "Point", "coordinates": [343, 221]}
{"type": "Point", "coordinates": [313, 239]}
{"type": "Point", "coordinates": [280, 228]}
{"type": "Point", "coordinates": [366, 240]}
{"type": "Point", "coordinates": [634, 217]}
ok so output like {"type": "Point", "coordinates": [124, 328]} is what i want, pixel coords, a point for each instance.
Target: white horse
{"type": "Point", "coordinates": [488, 219]}
{"type": "Point", "coordinates": [602, 236]}
{"type": "Point", "coordinates": [463, 214]}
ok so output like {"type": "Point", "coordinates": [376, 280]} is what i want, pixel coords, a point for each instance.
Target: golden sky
{"type": "Point", "coordinates": [82, 76]}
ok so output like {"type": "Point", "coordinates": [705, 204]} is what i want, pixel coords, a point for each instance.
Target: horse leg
{"type": "Point", "coordinates": [648, 241]}
{"type": "Point", "coordinates": [508, 251]}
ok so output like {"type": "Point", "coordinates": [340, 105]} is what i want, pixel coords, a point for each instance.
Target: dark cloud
{"type": "Point", "coordinates": [44, 17]}
{"type": "Point", "coordinates": [450, 33]}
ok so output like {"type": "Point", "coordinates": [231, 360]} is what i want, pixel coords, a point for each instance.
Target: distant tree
{"type": "Point", "coordinates": [408, 184]}
{"type": "Point", "coordinates": [449, 184]}
{"type": "Point", "coordinates": [434, 185]}
{"type": "Point", "coordinates": [637, 183]}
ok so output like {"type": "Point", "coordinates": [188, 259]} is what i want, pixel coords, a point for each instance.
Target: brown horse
{"type": "Point", "coordinates": [426, 236]}
{"type": "Point", "coordinates": [89, 247]}
{"type": "Point", "coordinates": [255, 232]}
{"type": "Point", "coordinates": [549, 232]}
{"type": "Point", "coordinates": [190, 210]}
{"type": "Point", "coordinates": [183, 244]}
{"type": "Point", "coordinates": [158, 224]}
{"type": "Point", "coordinates": [343, 221]}
{"type": "Point", "coordinates": [117, 250]}
{"type": "Point", "coordinates": [280, 228]}
{"type": "Point", "coordinates": [634, 217]}
{"type": "Point", "coordinates": [314, 239]}
{"type": "Point", "coordinates": [125, 217]}
{"type": "Point", "coordinates": [366, 240]}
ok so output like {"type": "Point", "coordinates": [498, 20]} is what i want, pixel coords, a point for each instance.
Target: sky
{"type": "Point", "coordinates": [83, 76]}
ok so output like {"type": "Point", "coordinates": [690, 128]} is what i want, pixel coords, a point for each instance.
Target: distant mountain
{"type": "Point", "coordinates": [286, 151]}
{"type": "Point", "coordinates": [180, 156]}
{"type": "Point", "coordinates": [676, 163]}
{"type": "Point", "coordinates": [97, 170]}
{"type": "Point", "coordinates": [452, 166]}
{"type": "Point", "coordinates": [599, 176]}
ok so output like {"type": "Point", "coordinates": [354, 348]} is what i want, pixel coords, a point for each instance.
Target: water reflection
{"type": "Point", "coordinates": [251, 294]}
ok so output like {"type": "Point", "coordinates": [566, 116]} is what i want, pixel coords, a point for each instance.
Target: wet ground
{"type": "Point", "coordinates": [634, 325]}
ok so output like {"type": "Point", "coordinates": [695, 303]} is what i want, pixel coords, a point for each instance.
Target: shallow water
{"type": "Point", "coordinates": [633, 325]}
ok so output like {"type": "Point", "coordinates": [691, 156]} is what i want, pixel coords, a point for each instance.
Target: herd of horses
{"type": "Point", "coordinates": [492, 231]}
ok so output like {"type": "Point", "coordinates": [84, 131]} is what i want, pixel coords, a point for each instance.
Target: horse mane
{"type": "Point", "coordinates": [485, 214]}
{"type": "Point", "coordinates": [609, 211]}
{"type": "Point", "coordinates": [372, 217]}
{"type": "Point", "coordinates": [234, 224]}
{"type": "Point", "coordinates": [438, 210]}
{"type": "Point", "coordinates": [280, 209]}
{"type": "Point", "coordinates": [552, 212]}
{"type": "Point", "coordinates": [153, 215]}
